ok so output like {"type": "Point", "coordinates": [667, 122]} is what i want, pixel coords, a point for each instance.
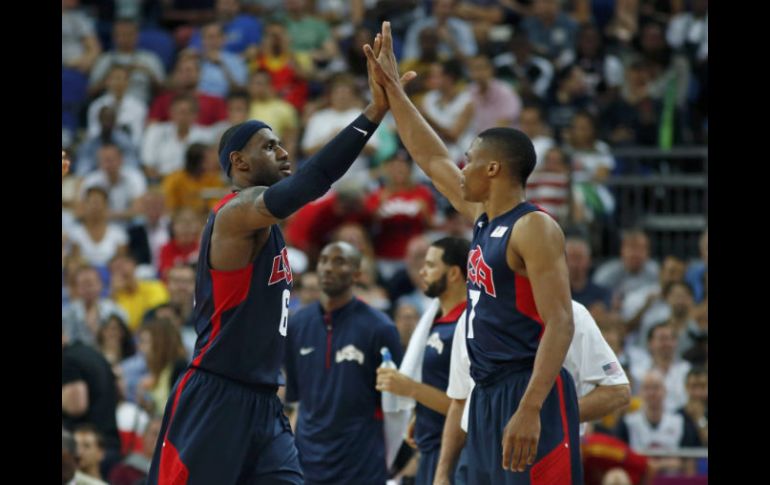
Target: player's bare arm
{"type": "Point", "coordinates": [603, 400]}
{"type": "Point", "coordinates": [536, 250]}
{"type": "Point", "coordinates": [420, 140]}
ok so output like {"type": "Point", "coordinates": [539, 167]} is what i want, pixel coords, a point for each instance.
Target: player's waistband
{"type": "Point", "coordinates": [506, 370]}
{"type": "Point", "coordinates": [256, 387]}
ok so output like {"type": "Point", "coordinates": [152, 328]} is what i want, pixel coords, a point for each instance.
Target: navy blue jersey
{"type": "Point", "coordinates": [503, 328]}
{"type": "Point", "coordinates": [435, 372]}
{"type": "Point", "coordinates": [331, 369]}
{"type": "Point", "coordinates": [241, 315]}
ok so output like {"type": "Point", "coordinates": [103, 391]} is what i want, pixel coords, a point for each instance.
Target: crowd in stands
{"type": "Point", "coordinates": [148, 88]}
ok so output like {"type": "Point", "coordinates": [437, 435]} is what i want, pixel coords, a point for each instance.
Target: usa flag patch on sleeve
{"type": "Point", "coordinates": [612, 369]}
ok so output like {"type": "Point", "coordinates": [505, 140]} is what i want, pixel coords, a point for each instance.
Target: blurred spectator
{"type": "Point", "coordinates": [165, 143]}
{"type": "Point", "coordinates": [186, 227]}
{"type": "Point", "coordinates": [180, 281]}
{"type": "Point", "coordinates": [90, 451]}
{"type": "Point", "coordinates": [166, 360]}
{"type": "Point", "coordinates": [309, 289]}
{"type": "Point", "coordinates": [68, 458]}
{"type": "Point", "coordinates": [79, 45]}
{"type": "Point", "coordinates": [310, 228]}
{"type": "Point", "coordinates": [568, 97]}
{"type": "Point", "coordinates": [661, 343]}
{"type": "Point", "coordinates": [624, 25]}
{"type": "Point", "coordinates": [87, 311]}
{"type": "Point", "coordinates": [114, 339]}
{"type": "Point", "coordinates": [688, 33]}
{"type": "Point", "coordinates": [195, 186]}
{"type": "Point", "coordinates": [108, 135]}
{"type": "Point", "coordinates": [150, 230]}
{"type": "Point", "coordinates": [242, 32]}
{"type": "Point", "coordinates": [135, 466]}
{"type": "Point", "coordinates": [617, 476]}
{"type": "Point", "coordinates": [550, 187]}
{"type": "Point", "coordinates": [531, 74]}
{"type": "Point", "coordinates": [353, 53]}
{"type": "Point", "coordinates": [697, 270]}
{"type": "Point", "coordinates": [407, 285]}
{"type": "Point", "coordinates": [131, 111]}
{"type": "Point", "coordinates": [237, 112]}
{"type": "Point", "coordinates": [88, 394]}
{"type": "Point", "coordinates": [551, 31]}
{"type": "Point", "coordinates": [96, 239]}
{"type": "Point", "coordinates": [133, 295]}
{"type": "Point", "coordinates": [633, 269]}
{"type": "Point", "coordinates": [655, 427]}
{"type": "Point", "coordinates": [679, 299]}
{"type": "Point", "coordinates": [603, 71]}
{"type": "Point", "coordinates": [669, 82]}
{"type": "Point", "coordinates": [531, 123]}
{"type": "Point", "coordinates": [406, 317]}
{"type": "Point", "coordinates": [184, 80]}
{"type": "Point", "coordinates": [448, 108]}
{"type": "Point", "coordinates": [308, 33]}
{"type": "Point", "coordinates": [132, 420]}
{"type": "Point", "coordinates": [280, 115]}
{"type": "Point", "coordinates": [342, 17]}
{"type": "Point", "coordinates": [288, 69]}
{"type": "Point", "coordinates": [344, 106]}
{"type": "Point", "coordinates": [495, 102]}
{"type": "Point", "coordinates": [634, 117]}
{"type": "Point", "coordinates": [175, 13]}
{"type": "Point", "coordinates": [124, 184]}
{"type": "Point", "coordinates": [592, 163]}
{"type": "Point", "coordinates": [595, 297]}
{"type": "Point", "coordinates": [696, 411]}
{"type": "Point", "coordinates": [221, 71]}
{"type": "Point", "coordinates": [146, 71]}
{"type": "Point", "coordinates": [400, 210]}
{"type": "Point", "coordinates": [456, 39]}
{"type": "Point", "coordinates": [647, 306]}
{"type": "Point", "coordinates": [368, 290]}
{"type": "Point", "coordinates": [429, 42]}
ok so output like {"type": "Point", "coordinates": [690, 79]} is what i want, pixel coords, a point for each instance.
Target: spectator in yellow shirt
{"type": "Point", "coordinates": [199, 185]}
{"type": "Point", "coordinates": [133, 295]}
{"type": "Point", "coordinates": [279, 114]}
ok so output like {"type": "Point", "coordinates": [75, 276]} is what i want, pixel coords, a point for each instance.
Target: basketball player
{"type": "Point", "coordinates": [523, 426]}
{"type": "Point", "coordinates": [223, 422]}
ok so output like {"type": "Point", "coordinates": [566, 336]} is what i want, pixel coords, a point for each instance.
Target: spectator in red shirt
{"type": "Point", "coordinates": [184, 80]}
{"type": "Point", "coordinates": [400, 210]}
{"type": "Point", "coordinates": [310, 228]}
{"type": "Point", "coordinates": [186, 227]}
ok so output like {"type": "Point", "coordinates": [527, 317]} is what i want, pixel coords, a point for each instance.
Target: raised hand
{"type": "Point", "coordinates": [381, 61]}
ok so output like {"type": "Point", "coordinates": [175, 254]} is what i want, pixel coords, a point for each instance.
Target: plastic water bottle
{"type": "Point", "coordinates": [389, 400]}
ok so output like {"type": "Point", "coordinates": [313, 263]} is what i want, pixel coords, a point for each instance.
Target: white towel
{"type": "Point", "coordinates": [411, 365]}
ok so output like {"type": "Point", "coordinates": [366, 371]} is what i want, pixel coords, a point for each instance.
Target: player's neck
{"type": "Point", "coordinates": [453, 296]}
{"type": "Point", "coordinates": [503, 200]}
{"type": "Point", "coordinates": [331, 303]}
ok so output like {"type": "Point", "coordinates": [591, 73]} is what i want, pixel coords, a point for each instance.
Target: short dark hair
{"type": "Point", "coordinates": [238, 94]}
{"type": "Point", "coordinates": [453, 68]}
{"type": "Point", "coordinates": [512, 147]}
{"type": "Point", "coordinates": [90, 428]}
{"type": "Point", "coordinates": [455, 252]}
{"type": "Point", "coordinates": [651, 331]}
{"type": "Point", "coordinates": [97, 189]}
{"type": "Point", "coordinates": [193, 158]}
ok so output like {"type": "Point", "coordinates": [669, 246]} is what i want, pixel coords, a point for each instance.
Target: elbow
{"type": "Point", "coordinates": [622, 396]}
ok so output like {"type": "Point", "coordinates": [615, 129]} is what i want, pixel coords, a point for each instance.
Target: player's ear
{"type": "Point", "coordinates": [454, 274]}
{"type": "Point", "coordinates": [493, 168]}
{"type": "Point", "coordinates": [237, 161]}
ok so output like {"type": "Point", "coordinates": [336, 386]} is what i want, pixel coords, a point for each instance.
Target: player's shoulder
{"type": "Point", "coordinates": [537, 228]}
{"type": "Point", "coordinates": [376, 318]}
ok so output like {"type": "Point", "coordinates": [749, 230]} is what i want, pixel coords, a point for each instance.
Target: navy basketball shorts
{"type": "Point", "coordinates": [217, 431]}
{"type": "Point", "coordinates": [558, 450]}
